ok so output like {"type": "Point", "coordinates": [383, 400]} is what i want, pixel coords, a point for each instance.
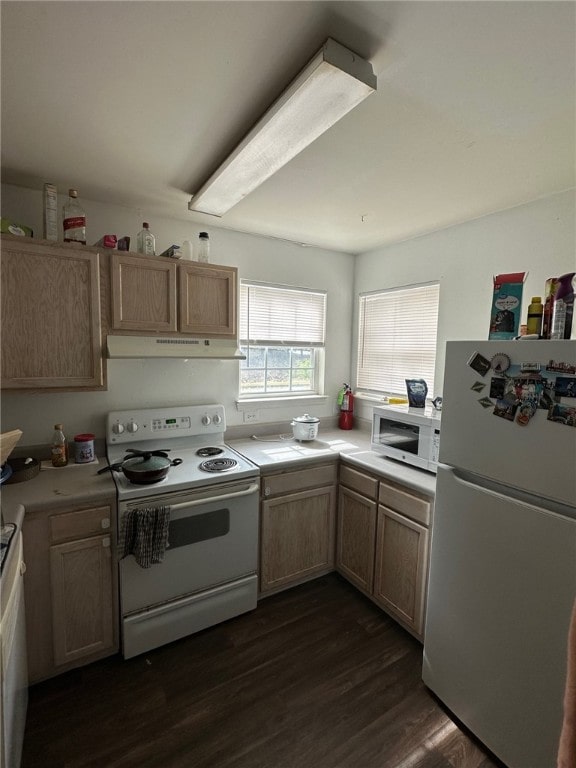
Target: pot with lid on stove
{"type": "Point", "coordinates": [305, 427]}
{"type": "Point", "coordinates": [143, 467]}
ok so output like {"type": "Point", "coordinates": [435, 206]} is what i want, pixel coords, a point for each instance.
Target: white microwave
{"type": "Point", "coordinates": [411, 435]}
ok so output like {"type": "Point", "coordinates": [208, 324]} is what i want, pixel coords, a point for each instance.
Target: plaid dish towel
{"type": "Point", "coordinates": [145, 535]}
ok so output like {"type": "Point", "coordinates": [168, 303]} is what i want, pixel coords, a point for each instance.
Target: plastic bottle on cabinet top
{"type": "Point", "coordinates": [146, 242]}
{"type": "Point", "coordinates": [535, 311]}
{"type": "Point", "coordinates": [203, 248]}
{"type": "Point", "coordinates": [74, 219]}
{"type": "Point", "coordinates": [59, 447]}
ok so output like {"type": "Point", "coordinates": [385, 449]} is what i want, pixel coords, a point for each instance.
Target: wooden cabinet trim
{"type": "Point", "coordinates": [359, 481]}
{"type": "Point", "coordinates": [403, 595]}
{"type": "Point", "coordinates": [80, 523]}
{"type": "Point", "coordinates": [129, 294]}
{"type": "Point", "coordinates": [78, 633]}
{"type": "Point", "coordinates": [51, 308]}
{"type": "Point", "coordinates": [406, 502]}
{"type": "Point", "coordinates": [297, 480]}
{"type": "Point", "coordinates": [356, 540]}
{"type": "Point", "coordinates": [295, 551]}
{"type": "Point", "coordinates": [207, 297]}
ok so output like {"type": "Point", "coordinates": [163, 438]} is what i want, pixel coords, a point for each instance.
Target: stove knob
{"type": "Point", "coordinates": [132, 426]}
{"type": "Point", "coordinates": [206, 420]}
{"type": "Point", "coordinates": [117, 429]}
{"type": "Point", "coordinates": [217, 419]}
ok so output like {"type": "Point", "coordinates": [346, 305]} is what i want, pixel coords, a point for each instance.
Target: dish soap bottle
{"type": "Point", "coordinates": [146, 242]}
{"type": "Point", "coordinates": [74, 219]}
{"type": "Point", "coordinates": [59, 447]}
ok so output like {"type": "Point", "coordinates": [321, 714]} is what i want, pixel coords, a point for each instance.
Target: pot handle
{"type": "Point", "coordinates": [175, 462]}
{"type": "Point", "coordinates": [110, 468]}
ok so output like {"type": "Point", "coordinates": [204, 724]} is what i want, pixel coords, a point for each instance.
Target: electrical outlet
{"type": "Point", "coordinates": [250, 416]}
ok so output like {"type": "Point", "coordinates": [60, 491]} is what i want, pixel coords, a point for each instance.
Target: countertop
{"type": "Point", "coordinates": [275, 452]}
{"type": "Point", "coordinates": [54, 488]}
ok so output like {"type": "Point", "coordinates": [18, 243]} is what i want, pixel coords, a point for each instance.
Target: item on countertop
{"type": "Point", "coordinates": [59, 447]}
{"type": "Point", "coordinates": [8, 227]}
{"type": "Point", "coordinates": [84, 448]}
{"type": "Point", "coordinates": [203, 248]}
{"type": "Point", "coordinates": [173, 252]}
{"type": "Point", "coordinates": [146, 242]}
{"type": "Point", "coordinates": [107, 241]}
{"type": "Point", "coordinates": [549, 291]}
{"type": "Point", "coordinates": [23, 469]}
{"type": "Point", "coordinates": [535, 312]}
{"type": "Point", "coordinates": [506, 305]}
{"type": "Point", "coordinates": [563, 309]}
{"type": "Point", "coordinates": [437, 403]}
{"type": "Point", "coordinates": [143, 467]}
{"type": "Point", "coordinates": [50, 213]}
{"type": "Point", "coordinates": [305, 427]}
{"type": "Point", "coordinates": [74, 219]}
{"type": "Point", "coordinates": [346, 403]}
{"type": "Point", "coordinates": [416, 389]}
{"type": "Point", "coordinates": [187, 251]}
{"type": "Point", "coordinates": [123, 243]}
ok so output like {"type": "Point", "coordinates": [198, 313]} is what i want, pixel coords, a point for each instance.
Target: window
{"type": "Point", "coordinates": [397, 338]}
{"type": "Point", "coordinates": [282, 331]}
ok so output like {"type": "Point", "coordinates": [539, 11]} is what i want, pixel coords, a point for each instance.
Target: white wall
{"type": "Point", "coordinates": [150, 383]}
{"type": "Point", "coordinates": [537, 238]}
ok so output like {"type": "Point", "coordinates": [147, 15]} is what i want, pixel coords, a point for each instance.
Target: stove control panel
{"type": "Point", "coordinates": [152, 423]}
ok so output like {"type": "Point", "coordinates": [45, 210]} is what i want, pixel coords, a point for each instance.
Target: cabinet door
{"type": "Point", "coordinates": [401, 568]}
{"type": "Point", "coordinates": [356, 538]}
{"type": "Point", "coordinates": [82, 600]}
{"type": "Point", "coordinates": [297, 537]}
{"type": "Point", "coordinates": [51, 337]}
{"type": "Point", "coordinates": [143, 293]}
{"type": "Point", "coordinates": [207, 300]}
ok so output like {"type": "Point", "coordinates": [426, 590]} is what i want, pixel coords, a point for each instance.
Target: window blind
{"type": "Point", "coordinates": [281, 315]}
{"type": "Point", "coordinates": [397, 338]}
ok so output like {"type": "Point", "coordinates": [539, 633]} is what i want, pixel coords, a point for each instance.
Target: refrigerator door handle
{"type": "Point", "coordinates": [506, 492]}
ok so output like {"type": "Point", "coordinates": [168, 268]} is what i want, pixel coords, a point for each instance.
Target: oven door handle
{"type": "Point", "coordinates": [252, 488]}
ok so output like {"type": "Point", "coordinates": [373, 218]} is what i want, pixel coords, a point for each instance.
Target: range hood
{"type": "Point", "coordinates": [156, 346]}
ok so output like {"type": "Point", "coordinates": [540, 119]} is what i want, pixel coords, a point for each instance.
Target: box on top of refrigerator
{"type": "Point", "coordinates": [506, 305]}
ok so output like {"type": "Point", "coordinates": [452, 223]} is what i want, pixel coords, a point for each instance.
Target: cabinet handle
{"type": "Point", "coordinates": [105, 523]}
{"type": "Point", "coordinates": [106, 541]}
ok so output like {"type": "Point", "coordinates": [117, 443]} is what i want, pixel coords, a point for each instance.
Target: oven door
{"type": "Point", "coordinates": [213, 540]}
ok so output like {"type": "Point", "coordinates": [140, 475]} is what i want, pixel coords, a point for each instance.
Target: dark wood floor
{"type": "Point", "coordinates": [315, 677]}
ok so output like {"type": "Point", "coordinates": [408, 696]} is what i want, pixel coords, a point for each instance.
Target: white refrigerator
{"type": "Point", "coordinates": [503, 553]}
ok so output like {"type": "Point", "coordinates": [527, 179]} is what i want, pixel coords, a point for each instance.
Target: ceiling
{"type": "Point", "coordinates": [136, 103]}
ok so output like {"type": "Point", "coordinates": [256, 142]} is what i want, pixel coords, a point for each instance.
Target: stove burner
{"type": "Point", "coordinates": [209, 451]}
{"type": "Point", "coordinates": [218, 465]}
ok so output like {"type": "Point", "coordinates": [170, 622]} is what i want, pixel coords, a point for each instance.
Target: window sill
{"type": "Point", "coordinates": [248, 404]}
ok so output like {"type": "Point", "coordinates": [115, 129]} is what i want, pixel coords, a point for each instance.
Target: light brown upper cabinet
{"type": "Point", "coordinates": [51, 332]}
{"type": "Point", "coordinates": [158, 295]}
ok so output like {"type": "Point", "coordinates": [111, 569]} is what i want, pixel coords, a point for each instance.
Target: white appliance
{"type": "Point", "coordinates": [14, 668]}
{"type": "Point", "coordinates": [503, 554]}
{"type": "Point", "coordinates": [209, 570]}
{"type": "Point", "coordinates": [410, 435]}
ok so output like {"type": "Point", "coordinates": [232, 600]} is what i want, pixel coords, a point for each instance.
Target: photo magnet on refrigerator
{"type": "Point", "coordinates": [479, 363]}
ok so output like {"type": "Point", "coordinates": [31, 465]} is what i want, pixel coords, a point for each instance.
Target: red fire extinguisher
{"type": "Point", "coordinates": [346, 402]}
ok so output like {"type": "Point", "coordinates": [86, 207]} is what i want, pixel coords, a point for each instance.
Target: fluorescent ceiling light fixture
{"type": "Point", "coordinates": [331, 84]}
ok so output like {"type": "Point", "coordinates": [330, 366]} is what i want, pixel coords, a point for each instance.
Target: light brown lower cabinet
{"type": "Point", "coordinates": [297, 526]}
{"type": "Point", "coordinates": [382, 544]}
{"type": "Point", "coordinates": [70, 589]}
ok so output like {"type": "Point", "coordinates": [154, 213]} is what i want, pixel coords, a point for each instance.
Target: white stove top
{"type": "Point", "coordinates": [181, 431]}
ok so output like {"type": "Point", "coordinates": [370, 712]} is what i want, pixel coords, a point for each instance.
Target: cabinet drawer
{"type": "Point", "coordinates": [416, 507]}
{"type": "Point", "coordinates": [299, 480]}
{"type": "Point", "coordinates": [358, 481]}
{"type": "Point", "coordinates": [79, 524]}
